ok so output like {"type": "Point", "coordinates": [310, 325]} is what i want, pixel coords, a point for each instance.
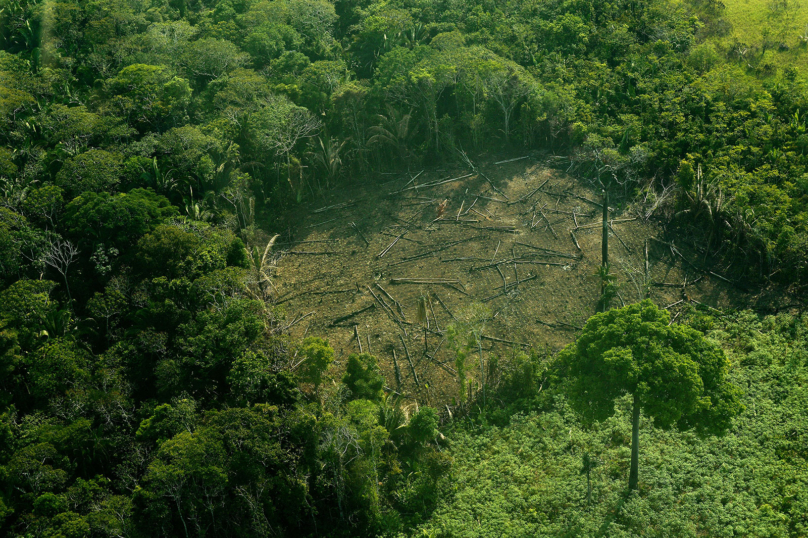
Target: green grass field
{"type": "Point", "coordinates": [778, 26]}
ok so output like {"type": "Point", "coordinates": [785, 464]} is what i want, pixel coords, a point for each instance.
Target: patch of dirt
{"type": "Point", "coordinates": [361, 261]}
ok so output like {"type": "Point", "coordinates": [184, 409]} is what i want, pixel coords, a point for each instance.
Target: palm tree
{"type": "Point", "coordinates": [393, 130]}
{"type": "Point", "coordinates": [328, 158]}
{"type": "Point", "coordinates": [261, 266]}
{"type": "Point", "coordinates": [706, 201]}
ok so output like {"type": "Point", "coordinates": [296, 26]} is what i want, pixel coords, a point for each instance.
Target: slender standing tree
{"type": "Point", "coordinates": [672, 373]}
{"type": "Point", "coordinates": [61, 256]}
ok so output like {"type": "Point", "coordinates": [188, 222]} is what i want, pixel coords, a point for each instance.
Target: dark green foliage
{"type": "Point", "coordinates": [362, 377]}
{"type": "Point", "coordinates": [151, 391]}
{"type": "Point", "coordinates": [187, 250]}
{"type": "Point", "coordinates": [672, 373]}
{"type": "Point", "coordinates": [678, 375]}
{"type": "Point", "coordinates": [96, 171]}
{"type": "Point", "coordinates": [118, 220]}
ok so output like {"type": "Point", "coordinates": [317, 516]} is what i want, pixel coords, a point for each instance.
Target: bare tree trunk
{"type": "Point", "coordinates": [634, 473]}
{"type": "Point", "coordinates": [605, 241]}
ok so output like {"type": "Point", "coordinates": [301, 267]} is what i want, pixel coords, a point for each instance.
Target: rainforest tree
{"type": "Point", "coordinates": [673, 374]}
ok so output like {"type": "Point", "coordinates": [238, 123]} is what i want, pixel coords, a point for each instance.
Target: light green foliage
{"type": "Point", "coordinates": [207, 347]}
{"type": "Point", "coordinates": [148, 95]}
{"type": "Point", "coordinates": [363, 378]}
{"type": "Point", "coordinates": [193, 158]}
{"type": "Point", "coordinates": [44, 205]}
{"type": "Point", "coordinates": [59, 365]}
{"type": "Point", "coordinates": [423, 425]}
{"type": "Point", "coordinates": [74, 128]}
{"type": "Point", "coordinates": [678, 375]}
{"type": "Point", "coordinates": [189, 250]}
{"type": "Point", "coordinates": [464, 338]}
{"type": "Point", "coordinates": [206, 59]}
{"type": "Point", "coordinates": [27, 304]}
{"type": "Point", "coordinates": [523, 479]}
{"type": "Point", "coordinates": [317, 357]}
{"type": "Point", "coordinates": [673, 374]}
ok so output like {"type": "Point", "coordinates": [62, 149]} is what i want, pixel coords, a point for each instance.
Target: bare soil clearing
{"type": "Point", "coordinates": [505, 238]}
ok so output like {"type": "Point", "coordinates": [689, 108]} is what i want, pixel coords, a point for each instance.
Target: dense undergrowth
{"type": "Point", "coordinates": [147, 386]}
{"type": "Point", "coordinates": [522, 470]}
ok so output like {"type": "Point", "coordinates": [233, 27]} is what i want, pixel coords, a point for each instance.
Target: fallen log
{"type": "Point", "coordinates": [424, 281]}
{"type": "Point", "coordinates": [599, 224]}
{"type": "Point", "coordinates": [395, 366]}
{"type": "Point", "coordinates": [513, 160]}
{"type": "Point", "coordinates": [335, 206]}
{"type": "Point", "coordinates": [439, 249]}
{"type": "Point", "coordinates": [432, 184]}
{"type": "Point", "coordinates": [494, 339]}
{"type": "Point", "coordinates": [365, 239]}
{"type": "Point", "coordinates": [528, 196]}
{"type": "Point", "coordinates": [575, 240]}
{"type": "Point", "coordinates": [409, 359]}
{"type": "Point", "coordinates": [352, 314]}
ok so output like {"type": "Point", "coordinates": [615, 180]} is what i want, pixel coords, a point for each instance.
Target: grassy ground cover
{"type": "Point", "coordinates": [528, 478]}
{"type": "Point", "coordinates": [771, 32]}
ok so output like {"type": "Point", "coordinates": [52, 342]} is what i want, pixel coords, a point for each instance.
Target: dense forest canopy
{"type": "Point", "coordinates": [148, 385]}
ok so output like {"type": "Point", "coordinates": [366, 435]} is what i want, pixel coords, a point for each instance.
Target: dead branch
{"type": "Point", "coordinates": [352, 314]}
{"type": "Point", "coordinates": [575, 240]}
{"type": "Point", "coordinates": [424, 281]}
{"type": "Point", "coordinates": [321, 223]}
{"type": "Point", "coordinates": [599, 224]}
{"type": "Point", "coordinates": [541, 210]}
{"type": "Point", "coordinates": [444, 306]}
{"type": "Point", "coordinates": [432, 184]}
{"type": "Point", "coordinates": [395, 366]}
{"type": "Point", "coordinates": [432, 309]}
{"type": "Point", "coordinates": [582, 198]}
{"type": "Point", "coordinates": [403, 238]}
{"type": "Point", "coordinates": [296, 321]}
{"type": "Point", "coordinates": [365, 239]}
{"type": "Point", "coordinates": [618, 238]}
{"type": "Point", "coordinates": [398, 305]}
{"type": "Point", "coordinates": [414, 178]}
{"type": "Point", "coordinates": [493, 339]}
{"type": "Point", "coordinates": [335, 206]}
{"type": "Point", "coordinates": [430, 252]}
{"type": "Point", "coordinates": [500, 294]}
{"type": "Point", "coordinates": [504, 282]}
{"type": "Point", "coordinates": [391, 245]}
{"type": "Point", "coordinates": [513, 160]}
{"type": "Point", "coordinates": [506, 229]}
{"type": "Point", "coordinates": [529, 196]}
{"type": "Point", "coordinates": [492, 199]}
{"type": "Point", "coordinates": [358, 340]}
{"type": "Point", "coordinates": [409, 359]}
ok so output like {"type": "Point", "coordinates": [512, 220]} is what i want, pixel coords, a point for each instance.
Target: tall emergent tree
{"type": "Point", "coordinates": [673, 373]}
